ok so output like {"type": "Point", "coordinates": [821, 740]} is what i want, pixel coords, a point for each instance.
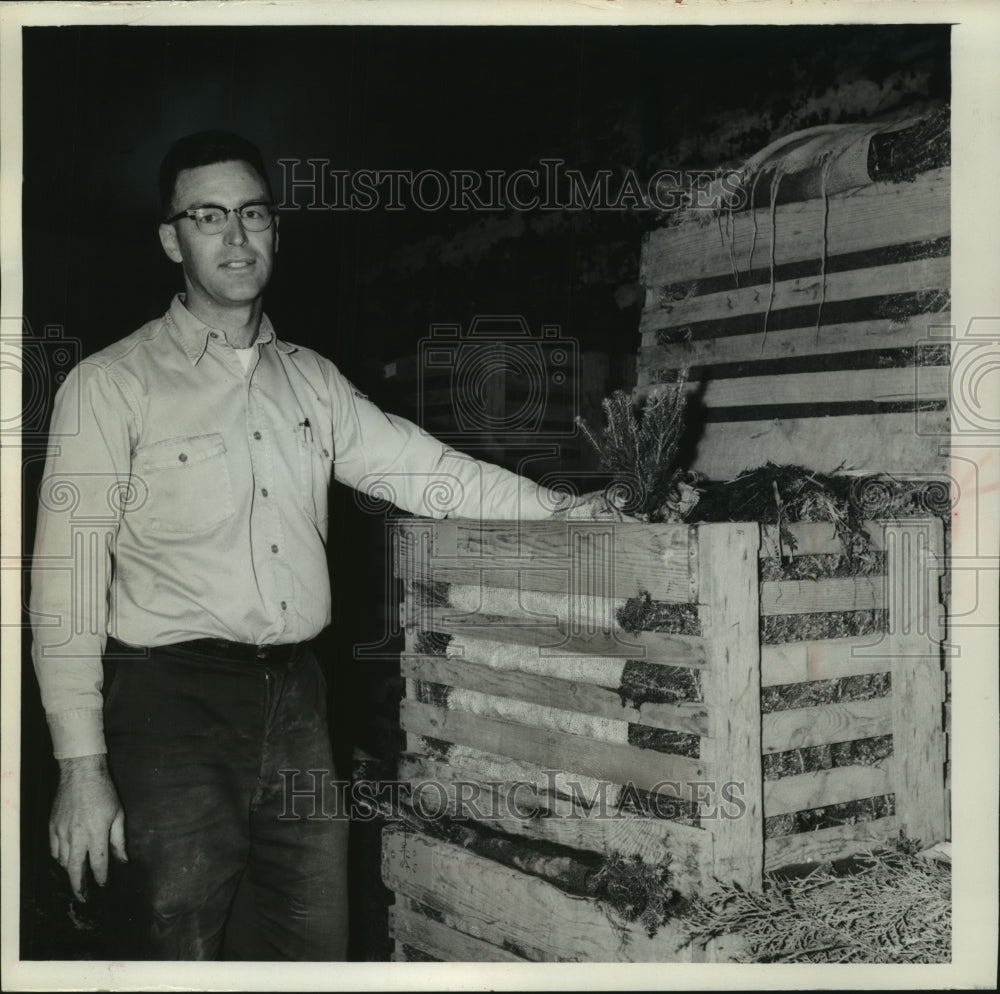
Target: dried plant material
{"type": "Point", "coordinates": [432, 643]}
{"type": "Point", "coordinates": [632, 890]}
{"type": "Point", "coordinates": [896, 909]}
{"type": "Point", "coordinates": [642, 614]}
{"type": "Point", "coordinates": [639, 447]}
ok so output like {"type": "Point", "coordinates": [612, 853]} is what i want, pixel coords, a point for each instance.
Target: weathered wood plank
{"type": "Point", "coordinates": [445, 943]}
{"type": "Point", "coordinates": [902, 277]}
{"type": "Point", "coordinates": [881, 385]}
{"type": "Point", "coordinates": [617, 561]}
{"type": "Point", "coordinates": [859, 593]}
{"type": "Point", "coordinates": [883, 443]}
{"type": "Point", "coordinates": [653, 647]}
{"type": "Point", "coordinates": [824, 787]}
{"type": "Point", "coordinates": [827, 843]}
{"type": "Point", "coordinates": [676, 776]}
{"type": "Point", "coordinates": [603, 702]}
{"type": "Point", "coordinates": [875, 216]}
{"type": "Point", "coordinates": [812, 538]}
{"type": "Point", "coordinates": [687, 717]}
{"type": "Point", "coordinates": [914, 554]}
{"type": "Point", "coordinates": [784, 343]}
{"type": "Point", "coordinates": [556, 719]}
{"type": "Point", "coordinates": [409, 647]}
{"type": "Point", "coordinates": [823, 659]}
{"type": "Point", "coordinates": [798, 728]}
{"type": "Point", "coordinates": [728, 556]}
{"type": "Point", "coordinates": [524, 808]}
{"type": "Point", "coordinates": [495, 904]}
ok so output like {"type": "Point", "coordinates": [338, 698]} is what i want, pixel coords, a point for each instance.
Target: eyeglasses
{"type": "Point", "coordinates": [212, 219]}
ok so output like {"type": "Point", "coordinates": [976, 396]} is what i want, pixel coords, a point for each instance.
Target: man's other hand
{"type": "Point", "coordinates": [594, 506]}
{"type": "Point", "coordinates": [87, 816]}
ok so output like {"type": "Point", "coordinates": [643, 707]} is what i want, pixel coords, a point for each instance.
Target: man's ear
{"type": "Point", "coordinates": [277, 231]}
{"type": "Point", "coordinates": [168, 239]}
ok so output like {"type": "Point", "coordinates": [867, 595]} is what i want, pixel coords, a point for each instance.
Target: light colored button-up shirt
{"type": "Point", "coordinates": [185, 496]}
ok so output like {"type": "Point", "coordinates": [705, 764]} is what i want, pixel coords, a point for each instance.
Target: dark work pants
{"type": "Point", "coordinates": [196, 746]}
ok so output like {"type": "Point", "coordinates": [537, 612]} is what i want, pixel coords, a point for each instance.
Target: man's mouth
{"type": "Point", "coordinates": [237, 264]}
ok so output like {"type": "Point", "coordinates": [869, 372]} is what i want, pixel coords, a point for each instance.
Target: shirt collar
{"type": "Point", "coordinates": [194, 333]}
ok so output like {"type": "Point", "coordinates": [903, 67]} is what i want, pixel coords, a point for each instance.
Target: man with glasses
{"type": "Point", "coordinates": [173, 712]}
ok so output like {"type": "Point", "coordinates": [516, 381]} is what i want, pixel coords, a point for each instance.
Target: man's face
{"type": "Point", "coordinates": [228, 270]}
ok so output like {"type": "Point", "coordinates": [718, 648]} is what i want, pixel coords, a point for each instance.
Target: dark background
{"type": "Point", "coordinates": [102, 104]}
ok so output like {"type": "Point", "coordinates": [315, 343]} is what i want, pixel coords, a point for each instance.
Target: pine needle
{"type": "Point", "coordinates": [639, 447]}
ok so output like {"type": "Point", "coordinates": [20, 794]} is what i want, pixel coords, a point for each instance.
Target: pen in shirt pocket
{"type": "Point", "coordinates": [307, 432]}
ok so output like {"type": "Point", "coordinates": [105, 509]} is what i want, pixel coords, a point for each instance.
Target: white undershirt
{"type": "Point", "coordinates": [246, 356]}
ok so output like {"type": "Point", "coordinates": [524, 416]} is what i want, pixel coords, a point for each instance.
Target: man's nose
{"type": "Point", "coordinates": [234, 232]}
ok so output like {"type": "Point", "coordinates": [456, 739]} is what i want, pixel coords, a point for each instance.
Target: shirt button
{"type": "Point", "coordinates": [213, 334]}
{"type": "Point", "coordinates": [256, 435]}
{"type": "Point", "coordinates": [183, 457]}
{"type": "Point", "coordinates": [274, 548]}
{"type": "Point", "coordinates": [263, 491]}
{"type": "Point", "coordinates": [284, 606]}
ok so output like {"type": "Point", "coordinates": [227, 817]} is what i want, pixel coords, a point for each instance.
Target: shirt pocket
{"type": "Point", "coordinates": [315, 464]}
{"type": "Point", "coordinates": [188, 483]}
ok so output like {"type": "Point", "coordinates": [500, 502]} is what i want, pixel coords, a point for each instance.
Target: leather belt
{"type": "Point", "coordinates": [242, 651]}
{"type": "Point", "coordinates": [245, 652]}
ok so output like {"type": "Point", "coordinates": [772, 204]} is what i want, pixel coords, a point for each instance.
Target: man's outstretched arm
{"type": "Point", "coordinates": [390, 457]}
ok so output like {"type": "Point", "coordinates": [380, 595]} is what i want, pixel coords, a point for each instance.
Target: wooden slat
{"type": "Point", "coordinates": [875, 216]}
{"type": "Point", "coordinates": [652, 647]}
{"type": "Point", "coordinates": [824, 787]}
{"type": "Point", "coordinates": [567, 695]}
{"type": "Point", "coordinates": [609, 560]}
{"type": "Point", "coordinates": [900, 277]}
{"type": "Point", "coordinates": [827, 843]}
{"type": "Point", "coordinates": [573, 611]}
{"type": "Point", "coordinates": [566, 824]}
{"type": "Point", "coordinates": [914, 554]}
{"type": "Point", "coordinates": [884, 443]}
{"type": "Point", "coordinates": [783, 343]}
{"type": "Point", "coordinates": [822, 659]}
{"type": "Point", "coordinates": [859, 593]}
{"type": "Point", "coordinates": [880, 385]}
{"type": "Point", "coordinates": [648, 770]}
{"type": "Point", "coordinates": [687, 717]}
{"type": "Point", "coordinates": [445, 943]}
{"type": "Point", "coordinates": [495, 903]}
{"type": "Point", "coordinates": [728, 556]}
{"type": "Point", "coordinates": [812, 538]}
{"type": "Point", "coordinates": [798, 728]}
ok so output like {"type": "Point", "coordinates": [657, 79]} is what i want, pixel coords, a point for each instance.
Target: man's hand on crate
{"type": "Point", "coordinates": [599, 505]}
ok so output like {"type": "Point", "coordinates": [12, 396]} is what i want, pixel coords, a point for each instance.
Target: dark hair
{"type": "Point", "coordinates": [205, 148]}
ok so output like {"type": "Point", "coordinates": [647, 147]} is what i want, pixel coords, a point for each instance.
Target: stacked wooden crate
{"type": "Point", "coordinates": [527, 670]}
{"type": "Point", "coordinates": [816, 332]}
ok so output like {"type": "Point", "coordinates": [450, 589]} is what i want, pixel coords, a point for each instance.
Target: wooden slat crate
{"type": "Point", "coordinates": [541, 686]}
{"type": "Point", "coordinates": [807, 329]}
